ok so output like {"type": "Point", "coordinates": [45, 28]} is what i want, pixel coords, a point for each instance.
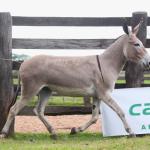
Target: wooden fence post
{"type": "Point", "coordinates": [5, 67]}
{"type": "Point", "coordinates": [134, 72]}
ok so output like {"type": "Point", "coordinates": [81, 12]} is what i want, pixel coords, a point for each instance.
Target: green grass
{"type": "Point", "coordinates": [120, 81]}
{"type": "Point", "coordinates": [57, 100]}
{"type": "Point", "coordinates": [82, 141]}
{"type": "Point", "coordinates": [146, 81]}
{"type": "Point", "coordinates": [123, 81]}
{"type": "Point", "coordinates": [68, 101]}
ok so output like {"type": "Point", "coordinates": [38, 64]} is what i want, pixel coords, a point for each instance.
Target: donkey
{"type": "Point", "coordinates": [92, 76]}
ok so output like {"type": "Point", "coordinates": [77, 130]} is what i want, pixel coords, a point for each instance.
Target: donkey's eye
{"type": "Point", "coordinates": [136, 44]}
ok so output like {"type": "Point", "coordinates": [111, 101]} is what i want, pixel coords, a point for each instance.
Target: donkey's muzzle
{"type": "Point", "coordinates": [146, 66]}
{"type": "Point", "coordinates": [146, 62]}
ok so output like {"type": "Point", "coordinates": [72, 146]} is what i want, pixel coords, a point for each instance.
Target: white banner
{"type": "Point", "coordinates": [135, 102]}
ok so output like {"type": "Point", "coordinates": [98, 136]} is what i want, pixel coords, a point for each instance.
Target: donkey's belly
{"type": "Point", "coordinates": [69, 91]}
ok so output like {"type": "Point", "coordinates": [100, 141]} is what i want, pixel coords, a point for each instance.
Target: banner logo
{"type": "Point", "coordinates": [139, 109]}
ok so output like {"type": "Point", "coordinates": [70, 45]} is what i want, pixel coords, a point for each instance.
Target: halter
{"type": "Point", "coordinates": [99, 66]}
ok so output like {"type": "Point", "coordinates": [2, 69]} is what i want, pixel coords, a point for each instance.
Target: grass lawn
{"type": "Point", "coordinates": [61, 101]}
{"type": "Point", "coordinates": [82, 141]}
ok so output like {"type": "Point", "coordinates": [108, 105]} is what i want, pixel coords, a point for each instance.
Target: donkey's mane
{"type": "Point", "coordinates": [117, 38]}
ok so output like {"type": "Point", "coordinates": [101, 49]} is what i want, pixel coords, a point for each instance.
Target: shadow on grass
{"type": "Point", "coordinates": [61, 137]}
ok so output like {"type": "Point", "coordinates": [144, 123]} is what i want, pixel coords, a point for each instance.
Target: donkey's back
{"type": "Point", "coordinates": [64, 75]}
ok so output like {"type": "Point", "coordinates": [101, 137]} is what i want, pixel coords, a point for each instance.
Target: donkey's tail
{"type": "Point", "coordinates": [15, 95]}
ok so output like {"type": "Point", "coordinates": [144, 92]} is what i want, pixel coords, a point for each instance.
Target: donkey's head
{"type": "Point", "coordinates": [134, 49]}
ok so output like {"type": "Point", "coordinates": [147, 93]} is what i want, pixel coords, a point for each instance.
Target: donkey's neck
{"type": "Point", "coordinates": [115, 56]}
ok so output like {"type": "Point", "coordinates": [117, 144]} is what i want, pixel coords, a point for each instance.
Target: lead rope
{"type": "Point", "coordinates": [99, 66]}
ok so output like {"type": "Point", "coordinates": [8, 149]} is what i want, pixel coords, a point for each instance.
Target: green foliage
{"type": "Point", "coordinates": [82, 141]}
{"type": "Point", "coordinates": [21, 57]}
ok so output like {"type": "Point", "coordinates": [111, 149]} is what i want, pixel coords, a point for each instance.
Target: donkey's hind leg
{"type": "Point", "coordinates": [94, 118]}
{"type": "Point", "coordinates": [12, 113]}
{"type": "Point", "coordinates": [27, 92]}
{"type": "Point", "coordinates": [39, 110]}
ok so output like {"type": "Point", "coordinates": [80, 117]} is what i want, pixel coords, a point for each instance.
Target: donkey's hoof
{"type": "Point", "coordinates": [3, 136]}
{"type": "Point", "coordinates": [54, 136]}
{"type": "Point", "coordinates": [73, 130]}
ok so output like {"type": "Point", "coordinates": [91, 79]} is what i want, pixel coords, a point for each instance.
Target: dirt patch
{"type": "Point", "coordinates": [60, 123]}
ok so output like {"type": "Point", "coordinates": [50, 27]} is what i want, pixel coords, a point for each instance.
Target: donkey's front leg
{"type": "Point", "coordinates": [95, 116]}
{"type": "Point", "coordinates": [112, 104]}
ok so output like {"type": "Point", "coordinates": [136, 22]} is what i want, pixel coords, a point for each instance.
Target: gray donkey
{"type": "Point", "coordinates": [92, 76]}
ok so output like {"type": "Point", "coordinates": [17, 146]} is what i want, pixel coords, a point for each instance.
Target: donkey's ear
{"type": "Point", "coordinates": [135, 30]}
{"type": "Point", "coordinates": [125, 28]}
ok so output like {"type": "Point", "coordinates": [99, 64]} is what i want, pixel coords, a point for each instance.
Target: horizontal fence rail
{"type": "Point", "coordinates": [64, 43]}
{"type": "Point", "coordinates": [69, 21]}
{"type": "Point", "coordinates": [61, 43]}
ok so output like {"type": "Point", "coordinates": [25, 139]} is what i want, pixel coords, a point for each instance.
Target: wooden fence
{"type": "Point", "coordinates": [134, 77]}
